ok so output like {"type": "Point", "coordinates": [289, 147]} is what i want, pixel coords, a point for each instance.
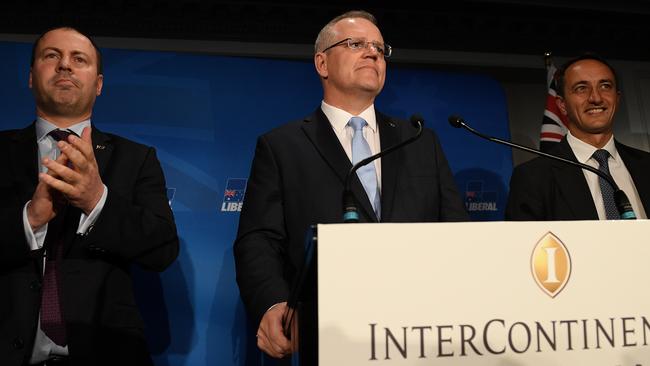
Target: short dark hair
{"type": "Point", "coordinates": [586, 56]}
{"type": "Point", "coordinates": [100, 67]}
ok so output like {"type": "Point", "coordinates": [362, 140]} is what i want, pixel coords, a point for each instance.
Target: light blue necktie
{"type": "Point", "coordinates": [602, 156]}
{"type": "Point", "coordinates": [367, 173]}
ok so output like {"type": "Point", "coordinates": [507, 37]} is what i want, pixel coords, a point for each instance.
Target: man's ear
{"type": "Point", "coordinates": [100, 84]}
{"type": "Point", "coordinates": [320, 62]}
{"type": "Point", "coordinates": [559, 101]}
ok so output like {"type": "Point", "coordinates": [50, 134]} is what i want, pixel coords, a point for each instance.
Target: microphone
{"type": "Point", "coordinates": [622, 202]}
{"type": "Point", "coordinates": [350, 211]}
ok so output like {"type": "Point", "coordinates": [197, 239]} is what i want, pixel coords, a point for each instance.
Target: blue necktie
{"type": "Point", "coordinates": [606, 190]}
{"type": "Point", "coordinates": [367, 173]}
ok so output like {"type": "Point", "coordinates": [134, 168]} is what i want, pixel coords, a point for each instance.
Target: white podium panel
{"type": "Point", "coordinates": [489, 293]}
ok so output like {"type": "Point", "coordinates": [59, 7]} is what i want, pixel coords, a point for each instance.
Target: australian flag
{"type": "Point", "coordinates": [474, 192]}
{"type": "Point", "coordinates": [235, 190]}
{"type": "Point", "coordinates": [554, 123]}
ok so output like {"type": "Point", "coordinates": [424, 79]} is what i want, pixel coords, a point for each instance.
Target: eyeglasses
{"type": "Point", "coordinates": [357, 44]}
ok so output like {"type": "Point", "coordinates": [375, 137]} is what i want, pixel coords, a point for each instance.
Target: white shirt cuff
{"type": "Point", "coordinates": [86, 223]}
{"type": "Point", "coordinates": [35, 238]}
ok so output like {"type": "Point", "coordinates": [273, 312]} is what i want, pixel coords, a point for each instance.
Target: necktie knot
{"type": "Point", "coordinates": [59, 135]}
{"type": "Point", "coordinates": [357, 123]}
{"type": "Point", "coordinates": [601, 156]}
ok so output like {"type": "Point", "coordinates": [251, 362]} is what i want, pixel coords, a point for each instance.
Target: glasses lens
{"type": "Point", "coordinates": [356, 44]}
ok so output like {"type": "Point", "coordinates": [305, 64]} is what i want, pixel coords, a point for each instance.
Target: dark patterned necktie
{"type": "Point", "coordinates": [602, 156]}
{"type": "Point", "coordinates": [59, 135]}
{"type": "Point", "coordinates": [52, 322]}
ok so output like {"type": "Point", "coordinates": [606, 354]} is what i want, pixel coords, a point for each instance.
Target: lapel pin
{"type": "Point", "coordinates": [100, 147]}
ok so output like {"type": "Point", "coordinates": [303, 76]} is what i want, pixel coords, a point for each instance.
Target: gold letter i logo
{"type": "Point", "coordinates": [551, 264]}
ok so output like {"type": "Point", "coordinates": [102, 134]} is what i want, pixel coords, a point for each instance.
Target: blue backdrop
{"type": "Point", "coordinates": [203, 114]}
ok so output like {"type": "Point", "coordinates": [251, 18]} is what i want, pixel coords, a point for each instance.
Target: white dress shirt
{"type": "Point", "coordinates": [583, 152]}
{"type": "Point", "coordinates": [339, 120]}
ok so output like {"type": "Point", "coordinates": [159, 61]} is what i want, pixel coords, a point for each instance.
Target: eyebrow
{"type": "Point", "coordinates": [75, 52]}
{"type": "Point", "coordinates": [587, 82]}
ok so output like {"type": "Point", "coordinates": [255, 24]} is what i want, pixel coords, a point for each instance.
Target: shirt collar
{"type": "Point", "coordinates": [583, 151]}
{"type": "Point", "coordinates": [339, 118]}
{"type": "Point", "coordinates": [43, 127]}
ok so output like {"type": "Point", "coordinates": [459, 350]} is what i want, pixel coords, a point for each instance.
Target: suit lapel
{"type": "Point", "coordinates": [319, 131]}
{"type": "Point", "coordinates": [24, 160]}
{"type": "Point", "coordinates": [638, 170]}
{"type": "Point", "coordinates": [573, 185]}
{"type": "Point", "coordinates": [389, 135]}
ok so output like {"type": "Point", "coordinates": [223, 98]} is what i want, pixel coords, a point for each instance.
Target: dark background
{"type": "Point", "coordinates": [513, 27]}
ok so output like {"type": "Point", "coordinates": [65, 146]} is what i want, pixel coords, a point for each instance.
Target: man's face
{"type": "Point", "coordinates": [64, 77]}
{"type": "Point", "coordinates": [355, 71]}
{"type": "Point", "coordinates": [590, 99]}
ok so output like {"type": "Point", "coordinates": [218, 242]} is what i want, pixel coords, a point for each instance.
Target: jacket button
{"type": "Point", "coordinates": [96, 250]}
{"type": "Point", "coordinates": [35, 286]}
{"type": "Point", "coordinates": [18, 343]}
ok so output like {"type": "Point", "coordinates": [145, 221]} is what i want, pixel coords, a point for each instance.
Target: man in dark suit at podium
{"type": "Point", "coordinates": [299, 169]}
{"type": "Point", "coordinates": [79, 208]}
{"type": "Point", "coordinates": [545, 189]}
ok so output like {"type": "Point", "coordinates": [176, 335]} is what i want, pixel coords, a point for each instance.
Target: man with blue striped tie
{"type": "Point", "coordinates": [298, 173]}
{"type": "Point", "coordinates": [545, 189]}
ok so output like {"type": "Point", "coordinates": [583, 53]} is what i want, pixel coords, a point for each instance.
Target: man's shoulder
{"type": "Point", "coordinates": [538, 164]}
{"type": "Point", "coordinates": [5, 134]}
{"type": "Point", "coordinates": [292, 128]}
{"type": "Point", "coordinates": [123, 143]}
{"type": "Point", "coordinates": [286, 128]}
{"type": "Point", "coordinates": [406, 126]}
{"type": "Point", "coordinates": [17, 137]}
{"type": "Point", "coordinates": [632, 151]}
{"type": "Point", "coordinates": [16, 132]}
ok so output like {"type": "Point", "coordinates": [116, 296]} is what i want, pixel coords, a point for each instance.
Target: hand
{"type": "Point", "coordinates": [270, 337]}
{"type": "Point", "coordinates": [46, 202]}
{"type": "Point", "coordinates": [80, 183]}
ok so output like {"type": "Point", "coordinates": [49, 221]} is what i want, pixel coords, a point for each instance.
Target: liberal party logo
{"type": "Point", "coordinates": [551, 264]}
{"type": "Point", "coordinates": [233, 196]}
{"type": "Point", "coordinates": [476, 199]}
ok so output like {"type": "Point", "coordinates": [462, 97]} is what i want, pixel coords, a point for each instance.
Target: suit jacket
{"type": "Point", "coordinates": [136, 225]}
{"type": "Point", "coordinates": [297, 179]}
{"type": "Point", "coordinates": [544, 189]}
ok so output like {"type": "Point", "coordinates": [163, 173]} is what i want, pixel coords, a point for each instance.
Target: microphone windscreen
{"type": "Point", "coordinates": [456, 121]}
{"type": "Point", "coordinates": [415, 119]}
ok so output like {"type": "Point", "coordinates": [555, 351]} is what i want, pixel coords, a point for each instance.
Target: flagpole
{"type": "Point", "coordinates": [547, 59]}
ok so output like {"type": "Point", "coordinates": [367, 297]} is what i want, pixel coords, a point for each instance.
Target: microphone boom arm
{"type": "Point", "coordinates": [538, 152]}
{"type": "Point", "coordinates": [622, 202]}
{"type": "Point", "coordinates": [350, 213]}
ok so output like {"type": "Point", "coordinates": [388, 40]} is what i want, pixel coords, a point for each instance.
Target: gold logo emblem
{"type": "Point", "coordinates": [551, 264]}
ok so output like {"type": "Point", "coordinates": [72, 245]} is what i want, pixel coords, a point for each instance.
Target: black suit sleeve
{"type": "Point", "coordinates": [524, 199]}
{"type": "Point", "coordinates": [261, 245]}
{"type": "Point", "coordinates": [451, 205]}
{"type": "Point", "coordinates": [14, 249]}
{"type": "Point", "coordinates": [136, 223]}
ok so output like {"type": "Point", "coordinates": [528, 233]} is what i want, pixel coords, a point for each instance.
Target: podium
{"type": "Point", "coordinates": [479, 293]}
